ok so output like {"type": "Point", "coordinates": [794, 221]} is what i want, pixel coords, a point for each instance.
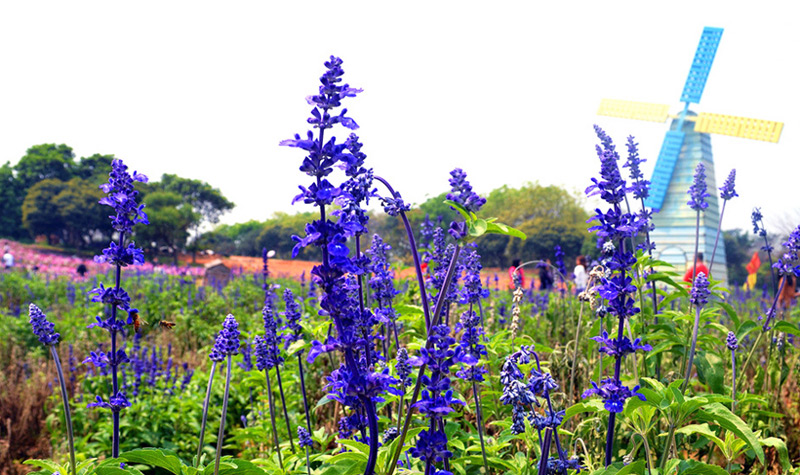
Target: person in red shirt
{"type": "Point", "coordinates": [514, 264]}
{"type": "Point", "coordinates": [691, 273]}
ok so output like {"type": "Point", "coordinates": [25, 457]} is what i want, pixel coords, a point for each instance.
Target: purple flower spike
{"type": "Point", "coordinates": [700, 290]}
{"type": "Point", "coordinates": [697, 192]}
{"type": "Point", "coordinates": [45, 330]}
{"type": "Point", "coordinates": [727, 191]}
{"type": "Point", "coordinates": [461, 192]}
{"type": "Point", "coordinates": [731, 342]}
{"type": "Point", "coordinates": [227, 342]}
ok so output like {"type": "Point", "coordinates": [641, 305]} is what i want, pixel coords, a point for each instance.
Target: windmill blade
{"type": "Point", "coordinates": [662, 173]}
{"type": "Point", "coordinates": [744, 127]}
{"type": "Point", "coordinates": [634, 110]}
{"type": "Point", "coordinates": [701, 65]}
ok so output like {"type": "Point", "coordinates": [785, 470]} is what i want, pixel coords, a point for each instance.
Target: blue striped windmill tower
{"type": "Point", "coordinates": [687, 143]}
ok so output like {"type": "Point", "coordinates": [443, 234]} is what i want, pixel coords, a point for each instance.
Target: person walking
{"type": "Point", "coordinates": [8, 258]}
{"type": "Point", "coordinates": [511, 275]}
{"type": "Point", "coordinates": [581, 276]}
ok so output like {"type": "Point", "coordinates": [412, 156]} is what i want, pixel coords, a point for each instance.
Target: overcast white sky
{"type": "Point", "coordinates": [506, 90]}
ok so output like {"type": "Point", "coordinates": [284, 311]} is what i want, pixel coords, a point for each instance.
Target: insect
{"type": "Point", "coordinates": [137, 322]}
{"type": "Point", "coordinates": [166, 324]}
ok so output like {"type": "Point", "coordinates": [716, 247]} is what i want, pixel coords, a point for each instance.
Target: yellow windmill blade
{"type": "Point", "coordinates": [634, 110]}
{"type": "Point", "coordinates": [744, 127]}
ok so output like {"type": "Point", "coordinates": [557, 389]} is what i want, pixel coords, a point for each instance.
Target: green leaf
{"type": "Point", "coordinates": [506, 230]}
{"type": "Point", "coordinates": [780, 446]}
{"type": "Point", "coordinates": [322, 402]}
{"type": "Point", "coordinates": [478, 227]}
{"type": "Point", "coordinates": [705, 431]}
{"type": "Point", "coordinates": [48, 464]}
{"type": "Point", "coordinates": [722, 416]}
{"type": "Point", "coordinates": [154, 458]}
{"type": "Point", "coordinates": [591, 405]}
{"type": "Point", "coordinates": [693, 467]}
{"type": "Point", "coordinates": [295, 347]}
{"type": "Point", "coordinates": [787, 327]}
{"type": "Point", "coordinates": [711, 371]}
{"type": "Point", "coordinates": [459, 208]}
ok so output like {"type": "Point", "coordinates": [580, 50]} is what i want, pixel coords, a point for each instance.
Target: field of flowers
{"type": "Point", "coordinates": [352, 369]}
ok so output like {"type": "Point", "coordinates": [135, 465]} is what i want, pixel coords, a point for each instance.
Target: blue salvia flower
{"type": "Point", "coordinates": [562, 270]}
{"type": "Point", "coordinates": [227, 342]}
{"type": "Point", "coordinates": [382, 282]}
{"type": "Point", "coordinates": [304, 437]}
{"type": "Point", "coordinates": [522, 397]}
{"type": "Point", "coordinates": [758, 222]}
{"type": "Point", "coordinates": [698, 191]}
{"type": "Point", "coordinates": [48, 336]}
{"type": "Point", "coordinates": [700, 292]}
{"type": "Point", "coordinates": [42, 328]}
{"type": "Point", "coordinates": [699, 298]}
{"type": "Point", "coordinates": [727, 190]}
{"type": "Point", "coordinates": [732, 342]}
{"type": "Point", "coordinates": [293, 317]}
{"type": "Point", "coordinates": [640, 187]}
{"type": "Point", "coordinates": [461, 192]}
{"type": "Point", "coordinates": [403, 367]}
{"type": "Point", "coordinates": [472, 291]}
{"type": "Point", "coordinates": [271, 334]}
{"type": "Point", "coordinates": [355, 384]}
{"type": "Point", "coordinates": [247, 352]}
{"type": "Point", "coordinates": [614, 227]}
{"type": "Point", "coordinates": [784, 265]}
{"type": "Point", "coordinates": [122, 197]}
{"type": "Point", "coordinates": [471, 347]}
{"type": "Point", "coordinates": [437, 398]}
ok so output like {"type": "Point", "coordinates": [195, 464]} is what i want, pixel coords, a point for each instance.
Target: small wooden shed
{"type": "Point", "coordinates": [216, 273]}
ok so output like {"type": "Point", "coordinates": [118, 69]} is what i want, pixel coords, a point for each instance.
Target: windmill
{"type": "Point", "coordinates": [687, 143]}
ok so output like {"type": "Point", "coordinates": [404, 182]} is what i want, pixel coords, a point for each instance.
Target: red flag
{"type": "Point", "coordinates": [754, 264]}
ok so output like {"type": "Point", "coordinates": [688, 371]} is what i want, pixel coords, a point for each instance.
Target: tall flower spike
{"type": "Point", "coordinates": [461, 192]}
{"type": "Point", "coordinates": [700, 292]}
{"type": "Point", "coordinates": [727, 190]}
{"type": "Point", "coordinates": [698, 191]}
{"type": "Point", "coordinates": [42, 328]}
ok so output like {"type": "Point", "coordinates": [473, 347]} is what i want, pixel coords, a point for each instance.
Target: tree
{"type": "Point", "coordinates": [739, 248]}
{"type": "Point", "coordinates": [80, 212]}
{"type": "Point", "coordinates": [46, 161]}
{"type": "Point", "coordinates": [207, 202]}
{"type": "Point", "coordinates": [94, 168]}
{"type": "Point", "coordinates": [170, 219]}
{"type": "Point", "coordinates": [39, 209]}
{"type": "Point", "coordinates": [11, 197]}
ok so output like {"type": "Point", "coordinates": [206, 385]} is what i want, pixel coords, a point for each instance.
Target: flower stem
{"type": "Point", "coordinates": [548, 434]}
{"type": "Point", "coordinates": [272, 418]}
{"type": "Point", "coordinates": [67, 415]}
{"type": "Point", "coordinates": [417, 266]}
{"type": "Point", "coordinates": [221, 436]}
{"type": "Point", "coordinates": [733, 382]}
{"type": "Point", "coordinates": [716, 240]}
{"type": "Point", "coordinates": [436, 318]}
{"type": "Point", "coordinates": [283, 403]}
{"type": "Point", "coordinates": [479, 421]}
{"type": "Point", "coordinates": [205, 414]}
{"type": "Point", "coordinates": [575, 356]}
{"type": "Point", "coordinates": [692, 349]}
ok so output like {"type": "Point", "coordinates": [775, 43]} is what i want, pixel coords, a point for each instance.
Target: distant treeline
{"type": "Point", "coordinates": [51, 194]}
{"type": "Point", "coordinates": [549, 215]}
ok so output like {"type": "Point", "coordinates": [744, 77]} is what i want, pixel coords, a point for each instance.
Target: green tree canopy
{"type": "Point", "coordinates": [46, 161]}
{"type": "Point", "coordinates": [170, 219]}
{"type": "Point", "coordinates": [40, 210]}
{"type": "Point", "coordinates": [11, 197]}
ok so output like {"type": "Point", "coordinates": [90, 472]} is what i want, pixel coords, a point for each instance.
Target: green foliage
{"type": "Point", "coordinates": [170, 218]}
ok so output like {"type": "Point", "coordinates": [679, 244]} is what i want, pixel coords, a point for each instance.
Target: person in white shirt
{"type": "Point", "coordinates": [8, 260]}
{"type": "Point", "coordinates": [581, 276]}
